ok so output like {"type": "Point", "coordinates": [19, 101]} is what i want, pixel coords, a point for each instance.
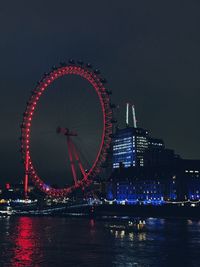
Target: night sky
{"type": "Point", "coordinates": [149, 51]}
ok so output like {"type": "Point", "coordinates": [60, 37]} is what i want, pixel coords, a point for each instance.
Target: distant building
{"type": "Point", "coordinates": [129, 145]}
{"type": "Point", "coordinates": [157, 154]}
{"type": "Point", "coordinates": [145, 171]}
{"type": "Point", "coordinates": [141, 185]}
{"type": "Point", "coordinates": [136, 191]}
{"type": "Point", "coordinates": [188, 179]}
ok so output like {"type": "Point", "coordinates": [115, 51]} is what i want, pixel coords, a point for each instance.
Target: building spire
{"type": "Point", "coordinates": [133, 114]}
{"type": "Point", "coordinates": [134, 117]}
{"type": "Point", "coordinates": [127, 114]}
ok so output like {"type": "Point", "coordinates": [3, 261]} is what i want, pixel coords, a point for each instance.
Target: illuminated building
{"type": "Point", "coordinates": [179, 181]}
{"type": "Point", "coordinates": [146, 172]}
{"type": "Point", "coordinates": [129, 145]}
{"type": "Point", "coordinates": [139, 191]}
{"type": "Point", "coordinates": [141, 137]}
{"type": "Point", "coordinates": [188, 179]}
{"type": "Point", "coordinates": [137, 185]}
{"type": "Point", "coordinates": [124, 148]}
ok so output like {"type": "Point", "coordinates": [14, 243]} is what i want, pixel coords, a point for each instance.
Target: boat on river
{"type": "Point", "coordinates": [135, 225]}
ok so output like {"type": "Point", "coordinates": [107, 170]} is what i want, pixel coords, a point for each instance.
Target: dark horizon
{"type": "Point", "coordinates": [148, 52]}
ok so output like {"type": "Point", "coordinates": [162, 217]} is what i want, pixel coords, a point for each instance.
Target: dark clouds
{"type": "Point", "coordinates": [148, 50]}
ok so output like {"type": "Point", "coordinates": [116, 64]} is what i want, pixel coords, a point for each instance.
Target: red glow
{"type": "Point", "coordinates": [25, 243]}
{"type": "Point", "coordinates": [7, 186]}
{"type": "Point", "coordinates": [94, 80]}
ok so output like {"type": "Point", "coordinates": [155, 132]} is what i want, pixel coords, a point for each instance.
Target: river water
{"type": "Point", "coordinates": [55, 241]}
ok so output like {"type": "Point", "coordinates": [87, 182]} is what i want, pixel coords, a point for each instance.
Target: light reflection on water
{"type": "Point", "coordinates": [25, 245]}
{"type": "Point", "coordinates": [47, 241]}
{"type": "Point", "coordinates": [129, 236]}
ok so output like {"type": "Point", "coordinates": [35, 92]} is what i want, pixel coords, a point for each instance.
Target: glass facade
{"type": "Point", "coordinates": [142, 145]}
{"type": "Point", "coordinates": [129, 146]}
{"type": "Point", "coordinates": [124, 148]}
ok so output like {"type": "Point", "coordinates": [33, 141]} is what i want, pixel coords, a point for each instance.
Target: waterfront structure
{"type": "Point", "coordinates": [141, 185]}
{"type": "Point", "coordinates": [156, 185]}
{"type": "Point", "coordinates": [85, 178]}
{"type": "Point", "coordinates": [136, 192]}
{"type": "Point", "coordinates": [188, 179]}
{"type": "Point", "coordinates": [145, 171]}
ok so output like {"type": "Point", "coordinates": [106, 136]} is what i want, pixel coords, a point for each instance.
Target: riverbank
{"type": "Point", "coordinates": [163, 211]}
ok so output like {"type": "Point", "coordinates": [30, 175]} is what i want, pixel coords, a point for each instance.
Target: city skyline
{"type": "Point", "coordinates": [100, 151]}
{"type": "Point", "coordinates": [149, 55]}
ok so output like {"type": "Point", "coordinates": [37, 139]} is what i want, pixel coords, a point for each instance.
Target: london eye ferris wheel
{"type": "Point", "coordinates": [81, 176]}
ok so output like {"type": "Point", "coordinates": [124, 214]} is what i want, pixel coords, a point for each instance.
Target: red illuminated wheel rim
{"type": "Point", "coordinates": [103, 95]}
